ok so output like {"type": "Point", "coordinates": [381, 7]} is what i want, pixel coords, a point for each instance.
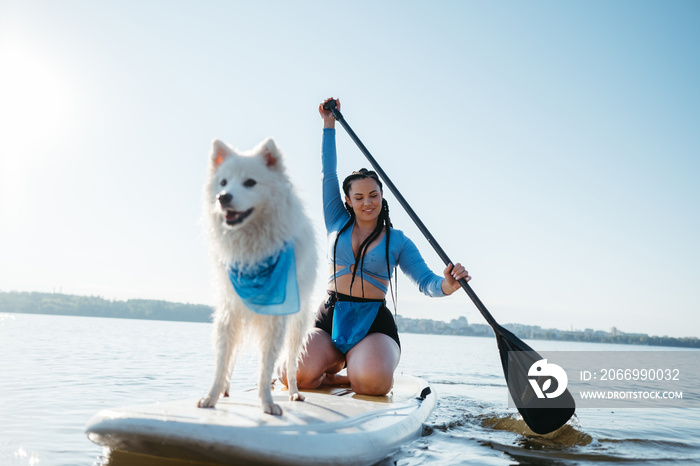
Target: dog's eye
{"type": "Point", "coordinates": [249, 183]}
{"type": "Point", "coordinates": [223, 183]}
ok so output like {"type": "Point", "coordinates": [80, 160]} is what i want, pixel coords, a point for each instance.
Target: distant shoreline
{"type": "Point", "coordinates": [93, 306]}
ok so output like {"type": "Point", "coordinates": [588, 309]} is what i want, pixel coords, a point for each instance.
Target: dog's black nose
{"type": "Point", "coordinates": [224, 199]}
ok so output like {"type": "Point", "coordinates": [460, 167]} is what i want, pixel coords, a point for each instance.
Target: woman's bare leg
{"type": "Point", "coordinates": [319, 361]}
{"type": "Point", "coordinates": [371, 364]}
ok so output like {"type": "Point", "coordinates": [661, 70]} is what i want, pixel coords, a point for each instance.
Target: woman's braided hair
{"type": "Point", "coordinates": [383, 222]}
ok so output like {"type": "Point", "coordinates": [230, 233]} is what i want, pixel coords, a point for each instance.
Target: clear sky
{"type": "Point", "coordinates": [552, 147]}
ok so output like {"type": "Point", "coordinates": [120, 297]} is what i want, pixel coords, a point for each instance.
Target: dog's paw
{"type": "Point", "coordinates": [296, 397]}
{"type": "Point", "coordinates": [272, 408]}
{"type": "Point", "coordinates": [206, 402]}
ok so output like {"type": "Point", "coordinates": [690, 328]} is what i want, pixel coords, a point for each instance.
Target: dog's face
{"type": "Point", "coordinates": [241, 186]}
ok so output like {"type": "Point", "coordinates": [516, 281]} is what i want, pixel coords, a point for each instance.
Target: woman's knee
{"type": "Point", "coordinates": [310, 377]}
{"type": "Point", "coordinates": [371, 382]}
{"type": "Point", "coordinates": [371, 364]}
{"type": "Point", "coordinates": [320, 357]}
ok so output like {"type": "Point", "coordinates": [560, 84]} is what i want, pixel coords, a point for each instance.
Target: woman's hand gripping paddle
{"type": "Point", "coordinates": [542, 415]}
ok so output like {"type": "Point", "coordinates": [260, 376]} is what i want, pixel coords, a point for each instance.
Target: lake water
{"type": "Point", "coordinates": [56, 372]}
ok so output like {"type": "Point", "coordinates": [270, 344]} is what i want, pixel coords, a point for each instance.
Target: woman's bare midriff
{"type": "Point", "coordinates": [343, 284]}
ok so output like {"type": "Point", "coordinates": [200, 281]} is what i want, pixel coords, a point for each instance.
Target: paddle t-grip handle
{"type": "Point", "coordinates": [332, 105]}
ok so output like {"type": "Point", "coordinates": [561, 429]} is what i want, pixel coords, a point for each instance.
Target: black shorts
{"type": "Point", "coordinates": [383, 323]}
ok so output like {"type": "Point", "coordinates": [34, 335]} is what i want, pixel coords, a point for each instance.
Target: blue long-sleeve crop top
{"type": "Point", "coordinates": [402, 251]}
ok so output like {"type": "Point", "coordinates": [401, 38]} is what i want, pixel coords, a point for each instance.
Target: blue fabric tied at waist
{"type": "Point", "coordinates": [269, 287]}
{"type": "Point", "coordinates": [351, 322]}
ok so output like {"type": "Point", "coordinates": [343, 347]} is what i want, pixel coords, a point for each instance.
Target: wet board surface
{"type": "Point", "coordinates": [333, 426]}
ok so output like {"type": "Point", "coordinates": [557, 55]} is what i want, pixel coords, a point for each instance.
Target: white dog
{"type": "Point", "coordinates": [265, 258]}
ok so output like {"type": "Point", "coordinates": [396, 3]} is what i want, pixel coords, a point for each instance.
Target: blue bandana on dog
{"type": "Point", "coordinates": [270, 286]}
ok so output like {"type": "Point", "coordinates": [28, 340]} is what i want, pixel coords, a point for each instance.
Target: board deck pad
{"type": "Point", "coordinates": [332, 426]}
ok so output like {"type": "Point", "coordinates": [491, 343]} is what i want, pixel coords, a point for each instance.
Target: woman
{"type": "Point", "coordinates": [354, 328]}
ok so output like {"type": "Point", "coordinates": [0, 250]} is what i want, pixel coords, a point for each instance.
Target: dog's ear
{"type": "Point", "coordinates": [219, 152]}
{"type": "Point", "coordinates": [271, 155]}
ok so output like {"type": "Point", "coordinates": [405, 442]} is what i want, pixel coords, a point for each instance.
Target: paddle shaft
{"type": "Point", "coordinates": [331, 105]}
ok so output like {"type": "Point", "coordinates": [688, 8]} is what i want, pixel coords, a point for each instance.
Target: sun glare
{"type": "Point", "coordinates": [37, 111]}
{"type": "Point", "coordinates": [35, 97]}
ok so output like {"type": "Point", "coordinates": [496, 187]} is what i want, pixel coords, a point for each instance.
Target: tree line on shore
{"type": "Point", "coordinates": [93, 306]}
{"type": "Point", "coordinates": [460, 327]}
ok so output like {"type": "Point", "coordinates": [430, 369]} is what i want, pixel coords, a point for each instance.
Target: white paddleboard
{"type": "Point", "coordinates": [334, 426]}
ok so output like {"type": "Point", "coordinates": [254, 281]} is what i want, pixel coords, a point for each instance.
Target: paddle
{"type": "Point", "coordinates": [542, 415]}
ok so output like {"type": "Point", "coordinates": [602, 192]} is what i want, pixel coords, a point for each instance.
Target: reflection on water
{"type": "Point", "coordinates": [567, 435]}
{"type": "Point", "coordinates": [120, 458]}
{"type": "Point", "coordinates": [57, 372]}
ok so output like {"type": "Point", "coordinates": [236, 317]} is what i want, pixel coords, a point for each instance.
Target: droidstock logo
{"type": "Point", "coordinates": [545, 372]}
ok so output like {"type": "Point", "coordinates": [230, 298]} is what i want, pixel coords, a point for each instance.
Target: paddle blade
{"type": "Point", "coordinates": [539, 395]}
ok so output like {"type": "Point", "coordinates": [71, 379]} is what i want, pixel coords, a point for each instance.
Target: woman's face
{"type": "Point", "coordinates": [365, 198]}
